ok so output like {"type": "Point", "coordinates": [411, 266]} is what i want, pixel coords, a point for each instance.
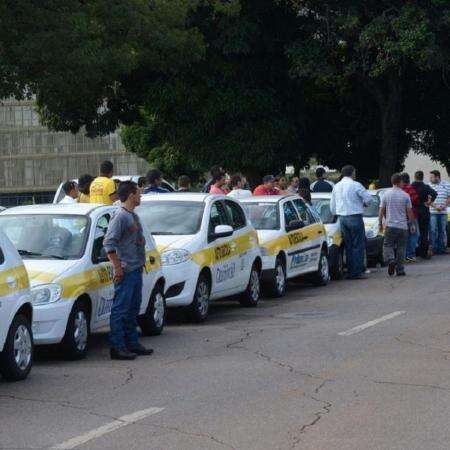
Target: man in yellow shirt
{"type": "Point", "coordinates": [103, 188]}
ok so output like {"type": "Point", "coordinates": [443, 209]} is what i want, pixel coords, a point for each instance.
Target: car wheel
{"type": "Point", "coordinates": [337, 272]}
{"type": "Point", "coordinates": [16, 358]}
{"type": "Point", "coordinates": [152, 322]}
{"type": "Point", "coordinates": [322, 276]}
{"type": "Point", "coordinates": [75, 342]}
{"type": "Point", "coordinates": [250, 297]}
{"type": "Point", "coordinates": [277, 285]}
{"type": "Point", "coordinates": [199, 308]}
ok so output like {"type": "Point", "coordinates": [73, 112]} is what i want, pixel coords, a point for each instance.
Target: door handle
{"type": "Point", "coordinates": [320, 232]}
{"type": "Point", "coordinates": [152, 260]}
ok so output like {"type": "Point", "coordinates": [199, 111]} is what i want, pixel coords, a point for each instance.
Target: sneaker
{"type": "Point", "coordinates": [122, 354]}
{"type": "Point", "coordinates": [410, 259]}
{"type": "Point", "coordinates": [391, 268]}
{"type": "Point", "coordinates": [141, 350]}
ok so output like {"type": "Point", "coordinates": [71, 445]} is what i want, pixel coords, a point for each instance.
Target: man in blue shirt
{"type": "Point", "coordinates": [154, 180]}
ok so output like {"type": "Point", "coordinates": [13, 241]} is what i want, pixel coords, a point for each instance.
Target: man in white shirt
{"type": "Point", "coordinates": [236, 188]}
{"type": "Point", "coordinates": [347, 202]}
{"type": "Point", "coordinates": [438, 210]}
{"type": "Point", "coordinates": [70, 188]}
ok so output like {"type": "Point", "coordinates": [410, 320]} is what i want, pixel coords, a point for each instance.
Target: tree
{"type": "Point", "coordinates": [375, 45]}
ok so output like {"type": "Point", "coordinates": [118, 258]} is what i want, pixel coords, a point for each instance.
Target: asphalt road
{"type": "Point", "coordinates": [315, 370]}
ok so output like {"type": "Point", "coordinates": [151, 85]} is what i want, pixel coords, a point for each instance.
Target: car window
{"type": "Point", "coordinates": [322, 207]}
{"type": "Point", "coordinates": [100, 232]}
{"type": "Point", "coordinates": [2, 257]}
{"type": "Point", "coordinates": [235, 215]}
{"type": "Point", "coordinates": [217, 216]}
{"type": "Point", "coordinates": [263, 216]}
{"type": "Point", "coordinates": [290, 214]}
{"type": "Point", "coordinates": [304, 212]}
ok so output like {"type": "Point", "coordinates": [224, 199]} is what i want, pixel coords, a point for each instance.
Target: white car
{"type": "Point", "coordinates": [59, 195]}
{"type": "Point", "coordinates": [292, 240]}
{"type": "Point", "coordinates": [209, 250]}
{"type": "Point", "coordinates": [16, 314]}
{"type": "Point", "coordinates": [71, 277]}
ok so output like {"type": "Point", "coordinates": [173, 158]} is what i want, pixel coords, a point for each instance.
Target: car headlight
{"type": "Point", "coordinates": [173, 257]}
{"type": "Point", "coordinates": [45, 294]}
{"type": "Point", "coordinates": [329, 241]}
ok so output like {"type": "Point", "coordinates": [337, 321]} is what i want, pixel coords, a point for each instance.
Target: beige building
{"type": "Point", "coordinates": [34, 160]}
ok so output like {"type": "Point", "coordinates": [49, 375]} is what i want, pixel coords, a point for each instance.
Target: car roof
{"type": "Point", "coordinates": [267, 198]}
{"type": "Point", "coordinates": [320, 195]}
{"type": "Point", "coordinates": [77, 209]}
{"type": "Point", "coordinates": [180, 197]}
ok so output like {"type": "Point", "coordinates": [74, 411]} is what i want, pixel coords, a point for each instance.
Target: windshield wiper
{"type": "Point", "coordinates": [27, 253]}
{"type": "Point", "coordinates": [53, 256]}
{"type": "Point", "coordinates": [164, 233]}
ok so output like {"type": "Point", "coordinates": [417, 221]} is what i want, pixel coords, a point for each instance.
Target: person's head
{"type": "Point", "coordinates": [154, 177]}
{"type": "Point", "coordinates": [236, 182]}
{"type": "Point", "coordinates": [215, 170]}
{"type": "Point", "coordinates": [184, 182]}
{"type": "Point", "coordinates": [129, 194]}
{"type": "Point", "coordinates": [84, 183]}
{"type": "Point", "coordinates": [405, 178]}
{"type": "Point", "coordinates": [282, 182]}
{"type": "Point", "coordinates": [70, 188]}
{"type": "Point", "coordinates": [106, 169]}
{"type": "Point", "coordinates": [396, 180]}
{"type": "Point", "coordinates": [294, 182]}
{"type": "Point", "coordinates": [304, 183]}
{"type": "Point", "coordinates": [320, 173]}
{"type": "Point", "coordinates": [348, 171]}
{"type": "Point", "coordinates": [142, 182]}
{"type": "Point", "coordinates": [219, 179]}
{"type": "Point", "coordinates": [419, 175]}
{"type": "Point", "coordinates": [269, 181]}
{"type": "Point", "coordinates": [435, 176]}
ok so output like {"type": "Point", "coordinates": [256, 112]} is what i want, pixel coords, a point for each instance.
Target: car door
{"type": "Point", "coordinates": [103, 296]}
{"type": "Point", "coordinates": [313, 234]}
{"type": "Point", "coordinates": [223, 252]}
{"type": "Point", "coordinates": [243, 243]}
{"type": "Point", "coordinates": [152, 266]}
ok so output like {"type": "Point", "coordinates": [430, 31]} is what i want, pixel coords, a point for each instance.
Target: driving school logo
{"type": "Point", "coordinates": [225, 273]}
{"type": "Point", "coordinates": [105, 273]}
{"type": "Point", "coordinates": [295, 238]}
{"type": "Point", "coordinates": [222, 252]}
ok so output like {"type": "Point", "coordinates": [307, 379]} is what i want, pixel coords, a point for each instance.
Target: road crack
{"type": "Point", "coordinates": [417, 385]}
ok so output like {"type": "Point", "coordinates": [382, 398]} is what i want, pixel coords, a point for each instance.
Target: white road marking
{"type": "Point", "coordinates": [107, 428]}
{"type": "Point", "coordinates": [371, 323]}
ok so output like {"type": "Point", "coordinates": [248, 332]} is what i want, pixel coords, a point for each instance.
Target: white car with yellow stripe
{"type": "Point", "coordinates": [71, 277]}
{"type": "Point", "coordinates": [16, 314]}
{"type": "Point", "coordinates": [292, 238]}
{"type": "Point", "coordinates": [209, 250]}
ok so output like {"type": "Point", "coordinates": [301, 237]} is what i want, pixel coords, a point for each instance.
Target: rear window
{"type": "Point", "coordinates": [263, 216]}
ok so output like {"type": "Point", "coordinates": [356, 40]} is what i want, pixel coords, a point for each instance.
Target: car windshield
{"type": "Point", "coordinates": [374, 208]}
{"type": "Point", "coordinates": [263, 216]}
{"type": "Point", "coordinates": [322, 207]}
{"type": "Point", "coordinates": [172, 218]}
{"type": "Point", "coordinates": [44, 236]}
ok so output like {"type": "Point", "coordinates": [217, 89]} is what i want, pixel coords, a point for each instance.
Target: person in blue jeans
{"type": "Point", "coordinates": [347, 202]}
{"type": "Point", "coordinates": [125, 246]}
{"type": "Point", "coordinates": [438, 210]}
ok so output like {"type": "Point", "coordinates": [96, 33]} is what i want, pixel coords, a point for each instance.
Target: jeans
{"type": "Point", "coordinates": [125, 310]}
{"type": "Point", "coordinates": [413, 240]}
{"type": "Point", "coordinates": [424, 228]}
{"type": "Point", "coordinates": [353, 232]}
{"type": "Point", "coordinates": [395, 239]}
{"type": "Point", "coordinates": [438, 232]}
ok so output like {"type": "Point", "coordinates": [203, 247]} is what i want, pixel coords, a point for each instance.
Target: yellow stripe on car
{"type": "Point", "coordinates": [13, 280]}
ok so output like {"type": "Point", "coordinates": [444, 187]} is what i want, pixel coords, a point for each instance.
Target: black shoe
{"type": "Point", "coordinates": [401, 274]}
{"type": "Point", "coordinates": [141, 350]}
{"type": "Point", "coordinates": [122, 354]}
{"type": "Point", "coordinates": [391, 268]}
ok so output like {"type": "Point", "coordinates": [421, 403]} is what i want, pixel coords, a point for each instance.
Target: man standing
{"type": "Point", "coordinates": [426, 197]}
{"type": "Point", "coordinates": [267, 187]}
{"type": "Point", "coordinates": [125, 246]}
{"type": "Point", "coordinates": [184, 183]}
{"type": "Point", "coordinates": [413, 238]}
{"type": "Point", "coordinates": [215, 170]}
{"type": "Point", "coordinates": [71, 192]}
{"type": "Point", "coordinates": [293, 186]}
{"type": "Point", "coordinates": [84, 187]}
{"type": "Point", "coordinates": [322, 184]}
{"type": "Point", "coordinates": [103, 188]}
{"type": "Point", "coordinates": [237, 190]}
{"type": "Point", "coordinates": [347, 202]}
{"type": "Point", "coordinates": [219, 182]}
{"type": "Point", "coordinates": [154, 181]}
{"type": "Point", "coordinates": [438, 210]}
{"type": "Point", "coordinates": [396, 209]}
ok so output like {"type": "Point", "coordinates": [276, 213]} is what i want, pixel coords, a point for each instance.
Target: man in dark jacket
{"type": "Point", "coordinates": [426, 196]}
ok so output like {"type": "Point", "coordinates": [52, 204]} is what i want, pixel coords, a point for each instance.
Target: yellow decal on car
{"type": "Point", "coordinates": [13, 280]}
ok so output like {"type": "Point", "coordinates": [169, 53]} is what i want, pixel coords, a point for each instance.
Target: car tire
{"type": "Point", "coordinates": [322, 276]}
{"type": "Point", "coordinates": [76, 339]}
{"type": "Point", "coordinates": [16, 359]}
{"type": "Point", "coordinates": [250, 297]}
{"type": "Point", "coordinates": [152, 322]}
{"type": "Point", "coordinates": [276, 287]}
{"type": "Point", "coordinates": [199, 308]}
{"type": "Point", "coordinates": [337, 272]}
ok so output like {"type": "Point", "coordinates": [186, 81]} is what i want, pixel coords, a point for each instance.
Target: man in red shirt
{"type": "Point", "coordinates": [413, 238]}
{"type": "Point", "coordinates": [267, 187]}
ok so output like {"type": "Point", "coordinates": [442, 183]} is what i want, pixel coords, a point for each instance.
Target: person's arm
{"type": "Point", "coordinates": [111, 244]}
{"type": "Point", "coordinates": [381, 215]}
{"type": "Point", "coordinates": [333, 203]}
{"type": "Point", "coordinates": [410, 215]}
{"type": "Point", "coordinates": [364, 195]}
{"type": "Point", "coordinates": [112, 191]}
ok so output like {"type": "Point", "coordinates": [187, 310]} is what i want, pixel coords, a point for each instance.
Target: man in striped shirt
{"type": "Point", "coordinates": [438, 210]}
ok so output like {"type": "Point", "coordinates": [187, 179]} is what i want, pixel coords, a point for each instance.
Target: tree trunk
{"type": "Point", "coordinates": [390, 104]}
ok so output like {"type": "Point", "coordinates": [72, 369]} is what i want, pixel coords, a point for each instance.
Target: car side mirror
{"type": "Point", "coordinates": [222, 231]}
{"type": "Point", "coordinates": [295, 225]}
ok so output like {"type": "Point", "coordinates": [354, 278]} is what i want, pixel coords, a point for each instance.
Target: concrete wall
{"type": "Point", "coordinates": [34, 159]}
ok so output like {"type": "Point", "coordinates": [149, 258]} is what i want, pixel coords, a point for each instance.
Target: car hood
{"type": "Point", "coordinates": [46, 271]}
{"type": "Point", "coordinates": [164, 243]}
